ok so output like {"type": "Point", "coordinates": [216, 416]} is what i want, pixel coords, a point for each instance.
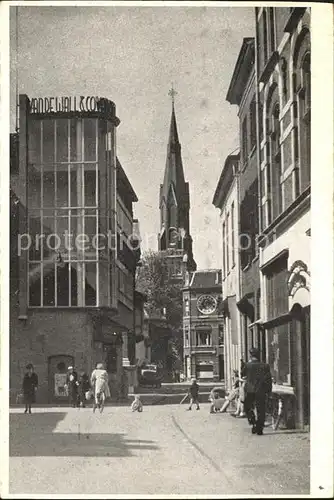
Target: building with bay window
{"type": "Point", "coordinates": [283, 86]}
{"type": "Point", "coordinates": [74, 249]}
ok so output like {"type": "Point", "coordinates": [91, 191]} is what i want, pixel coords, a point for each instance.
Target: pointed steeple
{"type": "Point", "coordinates": [174, 195]}
{"type": "Point", "coordinates": [174, 173]}
{"type": "Point", "coordinates": [173, 135]}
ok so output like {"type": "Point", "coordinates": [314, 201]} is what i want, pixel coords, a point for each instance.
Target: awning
{"type": "Point", "coordinates": [246, 307]}
{"type": "Point", "coordinates": [258, 323]}
{"type": "Point", "coordinates": [225, 307]}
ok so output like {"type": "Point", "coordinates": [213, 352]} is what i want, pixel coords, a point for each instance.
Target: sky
{"type": "Point", "coordinates": [131, 55]}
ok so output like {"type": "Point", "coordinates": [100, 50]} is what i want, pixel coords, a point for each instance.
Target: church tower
{"type": "Point", "coordinates": [174, 205]}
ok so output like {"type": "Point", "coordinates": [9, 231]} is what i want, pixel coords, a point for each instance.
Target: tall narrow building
{"type": "Point", "coordinates": [174, 236]}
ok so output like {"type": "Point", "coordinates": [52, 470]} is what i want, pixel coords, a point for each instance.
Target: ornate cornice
{"type": "Point", "coordinates": [299, 277]}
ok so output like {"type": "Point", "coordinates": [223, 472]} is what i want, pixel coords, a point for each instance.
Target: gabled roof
{"type": "Point", "coordinates": [206, 279]}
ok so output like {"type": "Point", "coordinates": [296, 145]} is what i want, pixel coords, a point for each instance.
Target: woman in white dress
{"type": "Point", "coordinates": [99, 383]}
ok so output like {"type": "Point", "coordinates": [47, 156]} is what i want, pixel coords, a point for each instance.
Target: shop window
{"type": "Point", "coordinates": [277, 289]}
{"type": "Point", "coordinates": [279, 353]}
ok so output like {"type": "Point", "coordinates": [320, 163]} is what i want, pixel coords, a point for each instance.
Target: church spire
{"type": "Point", "coordinates": [173, 135]}
{"type": "Point", "coordinates": [174, 193]}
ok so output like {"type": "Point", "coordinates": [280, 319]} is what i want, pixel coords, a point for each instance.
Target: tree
{"type": "Point", "coordinates": [164, 298]}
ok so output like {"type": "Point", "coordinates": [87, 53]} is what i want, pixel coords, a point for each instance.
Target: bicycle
{"type": "Point", "coordinates": [277, 413]}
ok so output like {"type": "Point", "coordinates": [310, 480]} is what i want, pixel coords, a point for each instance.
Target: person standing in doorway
{"type": "Point", "coordinates": [72, 385]}
{"type": "Point", "coordinates": [193, 394]}
{"type": "Point", "coordinates": [257, 387]}
{"type": "Point", "coordinates": [29, 387]}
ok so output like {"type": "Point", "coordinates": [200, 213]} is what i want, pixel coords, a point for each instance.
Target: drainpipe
{"type": "Point", "coordinates": [258, 161]}
{"type": "Point", "coordinates": [236, 175]}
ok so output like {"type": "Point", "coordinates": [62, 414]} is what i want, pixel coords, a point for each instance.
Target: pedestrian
{"type": "Point", "coordinates": [234, 394]}
{"type": "Point", "coordinates": [72, 385]}
{"type": "Point", "coordinates": [257, 387]}
{"type": "Point", "coordinates": [29, 387]}
{"type": "Point", "coordinates": [193, 394]}
{"type": "Point", "coordinates": [217, 401]}
{"type": "Point", "coordinates": [137, 405]}
{"type": "Point", "coordinates": [84, 386]}
{"type": "Point", "coordinates": [99, 382]}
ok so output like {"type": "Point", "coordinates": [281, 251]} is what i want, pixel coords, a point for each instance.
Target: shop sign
{"type": "Point", "coordinates": [60, 382]}
{"type": "Point", "coordinates": [81, 104]}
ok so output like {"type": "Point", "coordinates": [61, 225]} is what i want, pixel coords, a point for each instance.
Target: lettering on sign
{"type": "Point", "coordinates": [82, 104]}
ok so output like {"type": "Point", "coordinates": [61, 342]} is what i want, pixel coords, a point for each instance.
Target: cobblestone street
{"type": "Point", "coordinates": [164, 450]}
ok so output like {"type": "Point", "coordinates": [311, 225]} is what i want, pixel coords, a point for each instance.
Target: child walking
{"type": "Point", "coordinates": [193, 394]}
{"type": "Point", "coordinates": [137, 405]}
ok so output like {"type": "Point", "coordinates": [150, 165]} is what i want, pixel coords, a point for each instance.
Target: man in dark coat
{"type": "Point", "coordinates": [84, 386]}
{"type": "Point", "coordinates": [258, 386]}
{"type": "Point", "coordinates": [29, 387]}
{"type": "Point", "coordinates": [72, 385]}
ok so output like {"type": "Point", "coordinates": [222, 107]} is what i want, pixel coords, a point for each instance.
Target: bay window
{"type": "Point", "coordinates": [63, 212]}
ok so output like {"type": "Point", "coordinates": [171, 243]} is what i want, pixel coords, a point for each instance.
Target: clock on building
{"type": "Point", "coordinates": [206, 304]}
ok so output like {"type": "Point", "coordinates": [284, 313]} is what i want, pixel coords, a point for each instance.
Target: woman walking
{"type": "Point", "coordinates": [99, 383]}
{"type": "Point", "coordinates": [29, 387]}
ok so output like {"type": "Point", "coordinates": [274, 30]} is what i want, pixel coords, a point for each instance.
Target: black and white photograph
{"type": "Point", "coordinates": [160, 252]}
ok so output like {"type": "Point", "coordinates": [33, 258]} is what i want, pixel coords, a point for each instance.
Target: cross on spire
{"type": "Point", "coordinates": [172, 93]}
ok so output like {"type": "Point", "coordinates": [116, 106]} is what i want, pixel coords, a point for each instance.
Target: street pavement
{"type": "Point", "coordinates": [163, 450]}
